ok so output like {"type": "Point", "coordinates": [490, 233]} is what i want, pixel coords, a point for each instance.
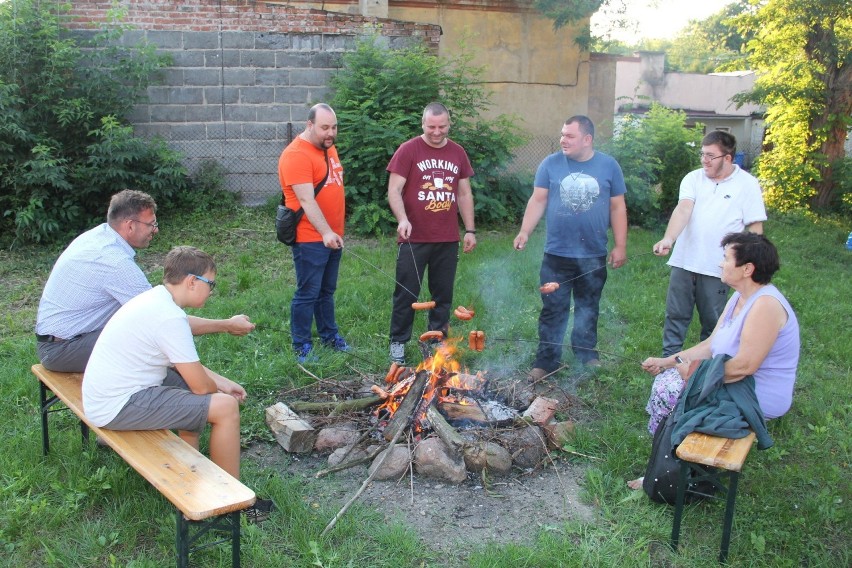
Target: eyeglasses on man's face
{"type": "Point", "coordinates": [211, 283]}
{"type": "Point", "coordinates": [709, 157]}
{"type": "Point", "coordinates": [153, 224]}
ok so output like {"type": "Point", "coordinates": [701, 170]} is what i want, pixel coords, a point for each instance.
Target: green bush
{"type": "Point", "coordinates": [655, 152]}
{"type": "Point", "coordinates": [379, 96]}
{"type": "Point", "coordinates": [64, 146]}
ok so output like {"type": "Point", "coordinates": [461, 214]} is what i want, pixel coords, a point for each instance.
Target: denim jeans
{"type": "Point", "coordinates": [316, 281]}
{"type": "Point", "coordinates": [584, 279]}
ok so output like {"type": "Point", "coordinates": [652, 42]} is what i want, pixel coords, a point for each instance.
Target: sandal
{"type": "Point", "coordinates": [260, 511]}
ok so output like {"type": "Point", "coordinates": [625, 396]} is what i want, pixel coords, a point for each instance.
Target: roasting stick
{"type": "Point", "coordinates": [378, 466]}
{"type": "Point", "coordinates": [600, 267]}
{"type": "Point", "coordinates": [602, 352]}
{"type": "Point", "coordinates": [364, 260]}
{"type": "Point", "coordinates": [364, 485]}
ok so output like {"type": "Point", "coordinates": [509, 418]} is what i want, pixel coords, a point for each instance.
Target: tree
{"type": "Point", "coordinates": [64, 145]}
{"type": "Point", "coordinates": [802, 52]}
{"type": "Point", "coordinates": [373, 105]}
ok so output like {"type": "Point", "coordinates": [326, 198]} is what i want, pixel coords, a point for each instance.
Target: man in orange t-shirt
{"type": "Point", "coordinates": [319, 241]}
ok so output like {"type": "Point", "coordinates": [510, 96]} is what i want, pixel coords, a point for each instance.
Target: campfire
{"type": "Point", "coordinates": [458, 422]}
{"type": "Point", "coordinates": [438, 380]}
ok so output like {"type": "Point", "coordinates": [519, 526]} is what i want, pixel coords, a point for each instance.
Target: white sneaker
{"type": "Point", "coordinates": [397, 353]}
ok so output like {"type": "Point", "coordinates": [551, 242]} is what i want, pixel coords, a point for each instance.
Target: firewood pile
{"type": "Point", "coordinates": [441, 422]}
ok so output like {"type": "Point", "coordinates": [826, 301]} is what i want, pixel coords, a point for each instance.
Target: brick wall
{"type": "Point", "coordinates": [243, 75]}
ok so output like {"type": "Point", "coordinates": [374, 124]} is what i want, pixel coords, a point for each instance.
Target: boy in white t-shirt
{"type": "Point", "coordinates": [144, 372]}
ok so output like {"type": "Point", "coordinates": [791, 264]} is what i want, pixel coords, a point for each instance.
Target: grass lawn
{"type": "Point", "coordinates": [88, 508]}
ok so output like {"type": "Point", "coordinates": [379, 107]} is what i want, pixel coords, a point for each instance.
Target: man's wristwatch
{"type": "Point", "coordinates": [472, 232]}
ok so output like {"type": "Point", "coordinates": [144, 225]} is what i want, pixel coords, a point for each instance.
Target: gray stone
{"type": "Point", "coordinates": [493, 458]}
{"type": "Point", "coordinates": [201, 40]}
{"type": "Point", "coordinates": [239, 77]}
{"type": "Point", "coordinates": [168, 113]}
{"type": "Point", "coordinates": [272, 77]}
{"type": "Point", "coordinates": [527, 446]}
{"type": "Point", "coordinates": [239, 40]}
{"type": "Point", "coordinates": [257, 58]}
{"type": "Point", "coordinates": [201, 77]}
{"type": "Point", "coordinates": [339, 436]}
{"type": "Point", "coordinates": [186, 96]}
{"type": "Point", "coordinates": [240, 113]}
{"type": "Point", "coordinates": [272, 41]}
{"type": "Point", "coordinates": [310, 77]}
{"type": "Point", "coordinates": [184, 58]}
{"type": "Point", "coordinates": [394, 466]}
{"type": "Point", "coordinates": [165, 39]}
{"type": "Point", "coordinates": [257, 95]}
{"type": "Point", "coordinates": [432, 459]}
{"type": "Point", "coordinates": [336, 457]}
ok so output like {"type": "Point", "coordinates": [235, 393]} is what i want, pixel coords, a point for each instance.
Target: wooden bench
{"type": "Point", "coordinates": [711, 458]}
{"type": "Point", "coordinates": [205, 495]}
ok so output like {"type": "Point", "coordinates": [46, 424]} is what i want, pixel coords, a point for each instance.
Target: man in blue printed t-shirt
{"type": "Point", "coordinates": [581, 192]}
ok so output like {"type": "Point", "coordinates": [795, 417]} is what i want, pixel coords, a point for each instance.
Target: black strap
{"type": "Point", "coordinates": [321, 184]}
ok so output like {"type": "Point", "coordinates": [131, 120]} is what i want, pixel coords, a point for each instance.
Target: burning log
{"type": "Point", "coordinates": [455, 411]}
{"type": "Point", "coordinates": [402, 416]}
{"type": "Point", "coordinates": [293, 433]}
{"type": "Point", "coordinates": [447, 433]}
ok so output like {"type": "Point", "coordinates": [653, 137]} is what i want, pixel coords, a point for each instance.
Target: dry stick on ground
{"type": "Point", "coordinates": [364, 485]}
{"type": "Point", "coordinates": [416, 390]}
{"type": "Point", "coordinates": [347, 465]}
{"type": "Point", "coordinates": [319, 380]}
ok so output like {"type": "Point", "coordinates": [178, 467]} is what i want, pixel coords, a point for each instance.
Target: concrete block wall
{"type": "Point", "coordinates": [242, 78]}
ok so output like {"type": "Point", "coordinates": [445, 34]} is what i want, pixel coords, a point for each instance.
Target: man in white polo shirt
{"type": "Point", "coordinates": [717, 199]}
{"type": "Point", "coordinates": [95, 276]}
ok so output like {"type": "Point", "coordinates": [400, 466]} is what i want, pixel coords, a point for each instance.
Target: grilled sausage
{"type": "Point", "coordinates": [463, 313]}
{"type": "Point", "coordinates": [430, 335]}
{"type": "Point", "coordinates": [423, 305]}
{"type": "Point", "coordinates": [549, 287]}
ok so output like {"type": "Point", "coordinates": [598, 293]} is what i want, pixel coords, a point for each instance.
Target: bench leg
{"type": "Point", "coordinates": [182, 541]}
{"type": "Point", "coordinates": [729, 515]}
{"type": "Point", "coordinates": [45, 406]}
{"type": "Point", "coordinates": [185, 542]}
{"type": "Point", "coordinates": [681, 497]}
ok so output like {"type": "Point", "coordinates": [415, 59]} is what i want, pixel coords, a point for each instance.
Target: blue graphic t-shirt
{"type": "Point", "coordinates": [578, 197]}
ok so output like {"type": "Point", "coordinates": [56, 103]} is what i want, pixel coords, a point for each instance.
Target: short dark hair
{"type": "Point", "coordinates": [585, 123]}
{"type": "Point", "coordinates": [129, 203]}
{"type": "Point", "coordinates": [312, 113]}
{"type": "Point", "coordinates": [756, 249]}
{"type": "Point", "coordinates": [435, 109]}
{"type": "Point", "coordinates": [183, 261]}
{"type": "Point", "coordinates": [724, 140]}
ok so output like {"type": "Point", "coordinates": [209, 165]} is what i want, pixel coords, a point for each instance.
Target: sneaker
{"type": "Point", "coordinates": [397, 353]}
{"type": "Point", "coordinates": [260, 511]}
{"type": "Point", "coordinates": [303, 352]}
{"type": "Point", "coordinates": [338, 343]}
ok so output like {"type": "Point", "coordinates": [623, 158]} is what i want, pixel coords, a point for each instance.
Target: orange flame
{"type": "Point", "coordinates": [444, 375]}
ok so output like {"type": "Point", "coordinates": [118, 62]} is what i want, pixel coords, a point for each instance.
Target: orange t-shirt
{"type": "Point", "coordinates": [302, 162]}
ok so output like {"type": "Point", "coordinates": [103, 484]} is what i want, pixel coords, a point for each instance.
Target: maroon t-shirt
{"type": "Point", "coordinates": [430, 194]}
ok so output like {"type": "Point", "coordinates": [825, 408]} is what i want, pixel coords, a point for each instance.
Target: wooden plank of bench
{"type": "Point", "coordinates": [726, 453]}
{"type": "Point", "coordinates": [195, 485]}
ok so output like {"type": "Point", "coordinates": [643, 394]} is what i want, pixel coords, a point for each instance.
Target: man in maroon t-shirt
{"type": "Point", "coordinates": [429, 186]}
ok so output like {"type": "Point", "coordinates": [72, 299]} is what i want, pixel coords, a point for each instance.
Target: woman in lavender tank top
{"type": "Point", "coordinates": [758, 329]}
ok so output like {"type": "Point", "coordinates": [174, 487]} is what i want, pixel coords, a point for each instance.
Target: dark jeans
{"type": "Point", "coordinates": [688, 291]}
{"type": "Point", "coordinates": [316, 282]}
{"type": "Point", "coordinates": [584, 279]}
{"type": "Point", "coordinates": [412, 261]}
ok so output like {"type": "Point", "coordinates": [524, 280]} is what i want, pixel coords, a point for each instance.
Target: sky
{"type": "Point", "coordinates": [658, 18]}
